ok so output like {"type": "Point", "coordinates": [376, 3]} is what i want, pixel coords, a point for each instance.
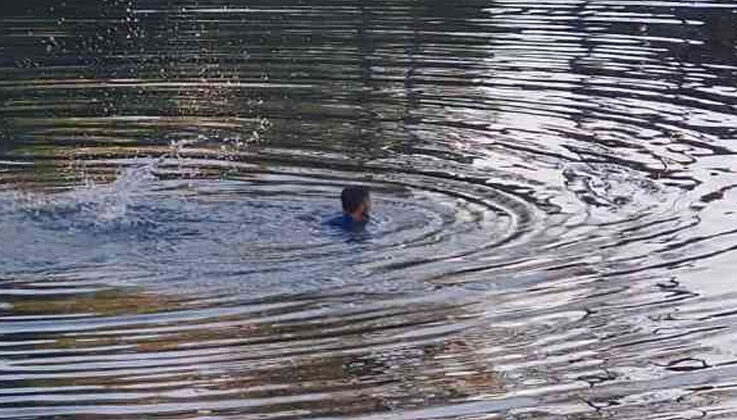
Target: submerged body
{"type": "Point", "coordinates": [347, 223]}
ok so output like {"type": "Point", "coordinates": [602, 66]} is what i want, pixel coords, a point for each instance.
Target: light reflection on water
{"type": "Point", "coordinates": [555, 203]}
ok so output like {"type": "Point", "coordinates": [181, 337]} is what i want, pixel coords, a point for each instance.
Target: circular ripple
{"type": "Point", "coordinates": [254, 226]}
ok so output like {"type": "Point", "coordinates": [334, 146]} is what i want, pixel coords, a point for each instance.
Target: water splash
{"type": "Point", "coordinates": [92, 204]}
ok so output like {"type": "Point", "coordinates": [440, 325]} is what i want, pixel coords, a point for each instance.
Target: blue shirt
{"type": "Point", "coordinates": [346, 222]}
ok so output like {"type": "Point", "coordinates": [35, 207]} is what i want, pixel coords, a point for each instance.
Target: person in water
{"type": "Point", "coordinates": [356, 203]}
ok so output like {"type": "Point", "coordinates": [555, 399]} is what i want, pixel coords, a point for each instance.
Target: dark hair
{"type": "Point", "coordinates": [353, 197]}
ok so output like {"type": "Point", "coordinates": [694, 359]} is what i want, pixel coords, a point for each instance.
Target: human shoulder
{"type": "Point", "coordinates": [342, 221]}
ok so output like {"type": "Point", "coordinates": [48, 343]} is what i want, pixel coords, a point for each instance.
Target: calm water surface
{"type": "Point", "coordinates": [555, 232]}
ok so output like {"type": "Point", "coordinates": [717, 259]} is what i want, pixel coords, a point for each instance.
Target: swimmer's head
{"type": "Point", "coordinates": [356, 202]}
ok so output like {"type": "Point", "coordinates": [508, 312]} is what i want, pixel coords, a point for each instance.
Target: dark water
{"type": "Point", "coordinates": [555, 195]}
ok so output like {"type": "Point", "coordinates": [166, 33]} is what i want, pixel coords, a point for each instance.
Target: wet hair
{"type": "Point", "coordinates": [353, 197]}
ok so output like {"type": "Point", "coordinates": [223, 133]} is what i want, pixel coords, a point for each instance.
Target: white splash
{"type": "Point", "coordinates": [96, 204]}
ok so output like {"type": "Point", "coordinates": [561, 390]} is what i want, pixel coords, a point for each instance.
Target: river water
{"type": "Point", "coordinates": [554, 230]}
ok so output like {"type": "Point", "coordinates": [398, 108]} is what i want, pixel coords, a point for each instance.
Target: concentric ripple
{"type": "Point", "coordinates": [265, 222]}
{"type": "Point", "coordinates": [553, 234]}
